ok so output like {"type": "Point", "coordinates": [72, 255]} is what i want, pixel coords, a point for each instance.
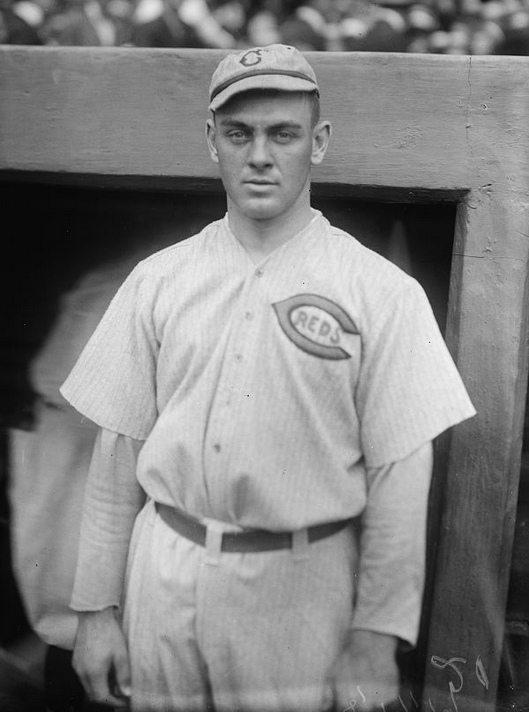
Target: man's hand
{"type": "Point", "coordinates": [366, 675]}
{"type": "Point", "coordinates": [100, 658]}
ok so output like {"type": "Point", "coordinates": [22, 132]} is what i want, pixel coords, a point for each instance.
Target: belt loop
{"type": "Point", "coordinates": [214, 533]}
{"type": "Point", "coordinates": [300, 545]}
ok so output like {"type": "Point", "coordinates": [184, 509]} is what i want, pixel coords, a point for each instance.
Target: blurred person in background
{"type": "Point", "coordinates": [20, 22]}
{"type": "Point", "coordinates": [232, 16]}
{"type": "Point", "coordinates": [368, 27]}
{"type": "Point", "coordinates": [466, 28]}
{"type": "Point", "coordinates": [514, 24]}
{"type": "Point", "coordinates": [446, 11]}
{"type": "Point", "coordinates": [421, 22]}
{"type": "Point", "coordinates": [306, 26]}
{"type": "Point", "coordinates": [178, 23]}
{"type": "Point", "coordinates": [263, 23]}
{"type": "Point", "coordinates": [48, 469]}
{"type": "Point", "coordinates": [90, 23]}
{"type": "Point", "coordinates": [486, 32]}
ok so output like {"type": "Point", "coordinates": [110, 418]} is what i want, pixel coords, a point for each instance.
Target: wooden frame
{"type": "Point", "coordinates": [406, 128]}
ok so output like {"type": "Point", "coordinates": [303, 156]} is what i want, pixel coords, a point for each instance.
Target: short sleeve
{"type": "Point", "coordinates": [113, 383]}
{"type": "Point", "coordinates": [409, 389]}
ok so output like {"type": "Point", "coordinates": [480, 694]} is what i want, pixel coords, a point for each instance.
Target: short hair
{"type": "Point", "coordinates": [313, 99]}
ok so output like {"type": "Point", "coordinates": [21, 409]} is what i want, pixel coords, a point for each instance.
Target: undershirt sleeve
{"type": "Point", "coordinates": [392, 547]}
{"type": "Point", "coordinates": [113, 498]}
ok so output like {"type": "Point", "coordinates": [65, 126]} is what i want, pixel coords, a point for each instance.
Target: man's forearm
{"type": "Point", "coordinates": [392, 549]}
{"type": "Point", "coordinates": [113, 498]}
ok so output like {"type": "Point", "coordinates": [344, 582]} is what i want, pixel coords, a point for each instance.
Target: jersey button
{"type": "Point", "coordinates": [249, 315]}
{"type": "Point", "coordinates": [217, 447]}
{"type": "Point", "coordinates": [259, 272]}
{"type": "Point", "coordinates": [238, 358]}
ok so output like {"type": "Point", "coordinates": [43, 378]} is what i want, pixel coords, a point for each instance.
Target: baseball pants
{"type": "Point", "coordinates": [252, 632]}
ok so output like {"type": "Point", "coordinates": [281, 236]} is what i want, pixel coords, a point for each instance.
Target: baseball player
{"type": "Point", "coordinates": [266, 392]}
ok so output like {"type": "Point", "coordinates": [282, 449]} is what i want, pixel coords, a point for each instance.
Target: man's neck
{"type": "Point", "coordinates": [261, 237]}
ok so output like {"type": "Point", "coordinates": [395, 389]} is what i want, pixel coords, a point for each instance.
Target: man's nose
{"type": "Point", "coordinates": [259, 152]}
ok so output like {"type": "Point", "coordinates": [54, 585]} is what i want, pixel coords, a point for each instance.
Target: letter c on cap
{"type": "Point", "coordinates": [246, 59]}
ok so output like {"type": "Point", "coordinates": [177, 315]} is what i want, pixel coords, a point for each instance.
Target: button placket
{"type": "Point", "coordinates": [241, 333]}
{"type": "Point", "coordinates": [232, 377]}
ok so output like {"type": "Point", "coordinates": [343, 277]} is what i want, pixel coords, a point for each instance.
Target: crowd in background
{"type": "Point", "coordinates": [476, 27]}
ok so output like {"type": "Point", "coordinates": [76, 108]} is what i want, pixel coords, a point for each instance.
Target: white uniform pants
{"type": "Point", "coordinates": [249, 632]}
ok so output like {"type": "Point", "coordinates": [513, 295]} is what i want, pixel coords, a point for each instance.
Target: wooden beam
{"type": "Point", "coordinates": [410, 121]}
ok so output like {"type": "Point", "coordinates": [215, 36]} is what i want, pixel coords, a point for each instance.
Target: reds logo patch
{"type": "Point", "coordinates": [316, 325]}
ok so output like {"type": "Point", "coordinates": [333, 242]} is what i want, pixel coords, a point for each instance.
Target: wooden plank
{"type": "Point", "coordinates": [400, 120]}
{"type": "Point", "coordinates": [488, 336]}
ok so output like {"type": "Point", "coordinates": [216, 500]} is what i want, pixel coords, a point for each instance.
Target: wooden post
{"type": "Point", "coordinates": [487, 331]}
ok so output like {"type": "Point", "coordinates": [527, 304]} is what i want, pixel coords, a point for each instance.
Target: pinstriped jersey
{"type": "Point", "coordinates": [264, 391]}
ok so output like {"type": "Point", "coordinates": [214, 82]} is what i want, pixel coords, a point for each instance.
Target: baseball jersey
{"type": "Point", "coordinates": [264, 391]}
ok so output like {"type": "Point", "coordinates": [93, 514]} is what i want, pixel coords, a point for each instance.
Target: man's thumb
{"type": "Point", "coordinates": [123, 675]}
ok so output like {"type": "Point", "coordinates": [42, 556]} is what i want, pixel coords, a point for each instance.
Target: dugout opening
{"type": "Point", "coordinates": [60, 234]}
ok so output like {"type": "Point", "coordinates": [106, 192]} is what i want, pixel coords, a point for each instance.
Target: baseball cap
{"type": "Point", "coordinates": [275, 66]}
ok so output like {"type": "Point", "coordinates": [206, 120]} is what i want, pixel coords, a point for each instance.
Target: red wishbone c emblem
{"type": "Point", "coordinates": [253, 56]}
{"type": "Point", "coordinates": [315, 324]}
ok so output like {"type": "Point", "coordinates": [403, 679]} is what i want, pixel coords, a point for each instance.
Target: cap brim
{"type": "Point", "coordinates": [263, 81]}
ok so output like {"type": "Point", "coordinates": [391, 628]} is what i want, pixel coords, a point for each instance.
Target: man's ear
{"type": "Point", "coordinates": [321, 135]}
{"type": "Point", "coordinates": [210, 140]}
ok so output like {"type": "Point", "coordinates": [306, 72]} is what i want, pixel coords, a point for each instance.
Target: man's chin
{"type": "Point", "coordinates": [261, 210]}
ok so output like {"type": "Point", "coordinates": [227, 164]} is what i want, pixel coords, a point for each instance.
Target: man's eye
{"type": "Point", "coordinates": [283, 136]}
{"type": "Point", "coordinates": [237, 136]}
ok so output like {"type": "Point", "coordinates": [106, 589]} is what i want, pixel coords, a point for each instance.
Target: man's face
{"type": "Point", "coordinates": [264, 143]}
